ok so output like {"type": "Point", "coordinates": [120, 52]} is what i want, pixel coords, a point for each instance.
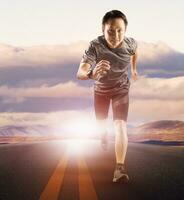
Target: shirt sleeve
{"type": "Point", "coordinates": [133, 45]}
{"type": "Point", "coordinates": [89, 55]}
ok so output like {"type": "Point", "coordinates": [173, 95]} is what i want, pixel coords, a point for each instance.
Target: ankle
{"type": "Point", "coordinates": [120, 165]}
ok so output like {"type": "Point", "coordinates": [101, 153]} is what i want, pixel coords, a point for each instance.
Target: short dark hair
{"type": "Point", "coordinates": [114, 14]}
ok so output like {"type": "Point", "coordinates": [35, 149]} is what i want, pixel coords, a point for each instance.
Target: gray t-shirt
{"type": "Point", "coordinates": [116, 80]}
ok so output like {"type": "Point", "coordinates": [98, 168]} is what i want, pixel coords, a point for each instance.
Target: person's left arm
{"type": "Point", "coordinates": [134, 73]}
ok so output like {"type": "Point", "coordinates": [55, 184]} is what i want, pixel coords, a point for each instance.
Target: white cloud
{"type": "Point", "coordinates": [45, 55]}
{"type": "Point", "coordinates": [158, 88]}
{"type": "Point", "coordinates": [156, 99]}
{"type": "Point", "coordinates": [48, 118]}
{"type": "Point", "coordinates": [146, 110]}
{"type": "Point", "coordinates": [150, 98]}
{"type": "Point", "coordinates": [153, 51]}
{"type": "Point", "coordinates": [69, 89]}
{"type": "Point", "coordinates": [39, 56]}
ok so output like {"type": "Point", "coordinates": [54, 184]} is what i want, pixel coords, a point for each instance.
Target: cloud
{"type": "Point", "coordinates": [150, 99]}
{"type": "Point", "coordinates": [43, 79]}
{"type": "Point", "coordinates": [151, 110]}
{"type": "Point", "coordinates": [153, 51]}
{"type": "Point", "coordinates": [26, 118]}
{"type": "Point", "coordinates": [43, 55]}
{"type": "Point", "coordinates": [159, 60]}
{"type": "Point", "coordinates": [67, 90]}
{"type": "Point", "coordinates": [156, 99]}
{"type": "Point", "coordinates": [49, 55]}
{"type": "Point", "coordinates": [158, 88]}
{"type": "Point", "coordinates": [143, 88]}
{"type": "Point", "coordinates": [54, 64]}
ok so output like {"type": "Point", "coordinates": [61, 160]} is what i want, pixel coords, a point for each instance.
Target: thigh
{"type": "Point", "coordinates": [120, 106]}
{"type": "Point", "coordinates": [101, 105]}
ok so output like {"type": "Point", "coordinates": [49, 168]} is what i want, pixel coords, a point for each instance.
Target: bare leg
{"type": "Point", "coordinates": [121, 140]}
{"type": "Point", "coordinates": [102, 128]}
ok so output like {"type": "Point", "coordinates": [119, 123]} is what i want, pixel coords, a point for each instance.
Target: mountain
{"type": "Point", "coordinates": [169, 132]}
{"type": "Point", "coordinates": [33, 130]}
{"type": "Point", "coordinates": [17, 133]}
{"type": "Point", "coordinates": [163, 130]}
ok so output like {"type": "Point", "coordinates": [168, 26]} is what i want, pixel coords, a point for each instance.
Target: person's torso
{"type": "Point", "coordinates": [119, 59]}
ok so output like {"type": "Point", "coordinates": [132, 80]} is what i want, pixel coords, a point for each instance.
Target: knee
{"type": "Point", "coordinates": [120, 125]}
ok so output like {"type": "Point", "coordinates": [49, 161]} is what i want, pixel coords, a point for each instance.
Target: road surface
{"type": "Point", "coordinates": [81, 170]}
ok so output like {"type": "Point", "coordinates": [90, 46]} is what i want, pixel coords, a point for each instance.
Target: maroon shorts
{"type": "Point", "coordinates": [120, 105]}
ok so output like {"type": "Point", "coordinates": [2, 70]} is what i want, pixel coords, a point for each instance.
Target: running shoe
{"type": "Point", "coordinates": [120, 174]}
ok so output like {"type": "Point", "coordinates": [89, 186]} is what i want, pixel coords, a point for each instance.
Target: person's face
{"type": "Point", "coordinates": [114, 32]}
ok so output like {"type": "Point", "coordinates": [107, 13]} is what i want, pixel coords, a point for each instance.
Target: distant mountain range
{"type": "Point", "coordinates": [169, 131]}
{"type": "Point", "coordinates": [18, 133]}
{"type": "Point", "coordinates": [17, 130]}
{"type": "Point", "coordinates": [158, 132]}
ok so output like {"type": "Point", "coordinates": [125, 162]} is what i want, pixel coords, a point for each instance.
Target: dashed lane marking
{"type": "Point", "coordinates": [86, 187]}
{"type": "Point", "coordinates": [53, 187]}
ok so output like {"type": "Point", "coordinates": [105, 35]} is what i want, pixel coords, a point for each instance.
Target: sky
{"type": "Point", "coordinates": [40, 22]}
{"type": "Point", "coordinates": [41, 45]}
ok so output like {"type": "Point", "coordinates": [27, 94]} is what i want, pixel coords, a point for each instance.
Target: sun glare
{"type": "Point", "coordinates": [75, 146]}
{"type": "Point", "coordinates": [82, 128]}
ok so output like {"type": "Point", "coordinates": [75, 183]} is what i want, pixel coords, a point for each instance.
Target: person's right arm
{"type": "Point", "coordinates": [100, 69]}
{"type": "Point", "coordinates": [83, 70]}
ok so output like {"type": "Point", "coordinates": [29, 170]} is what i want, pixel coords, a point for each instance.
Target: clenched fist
{"type": "Point", "coordinates": [101, 69]}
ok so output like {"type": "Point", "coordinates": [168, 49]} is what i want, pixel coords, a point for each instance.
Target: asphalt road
{"type": "Point", "coordinates": [75, 170]}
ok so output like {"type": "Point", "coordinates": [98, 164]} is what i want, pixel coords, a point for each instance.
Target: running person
{"type": "Point", "coordinates": [106, 61]}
